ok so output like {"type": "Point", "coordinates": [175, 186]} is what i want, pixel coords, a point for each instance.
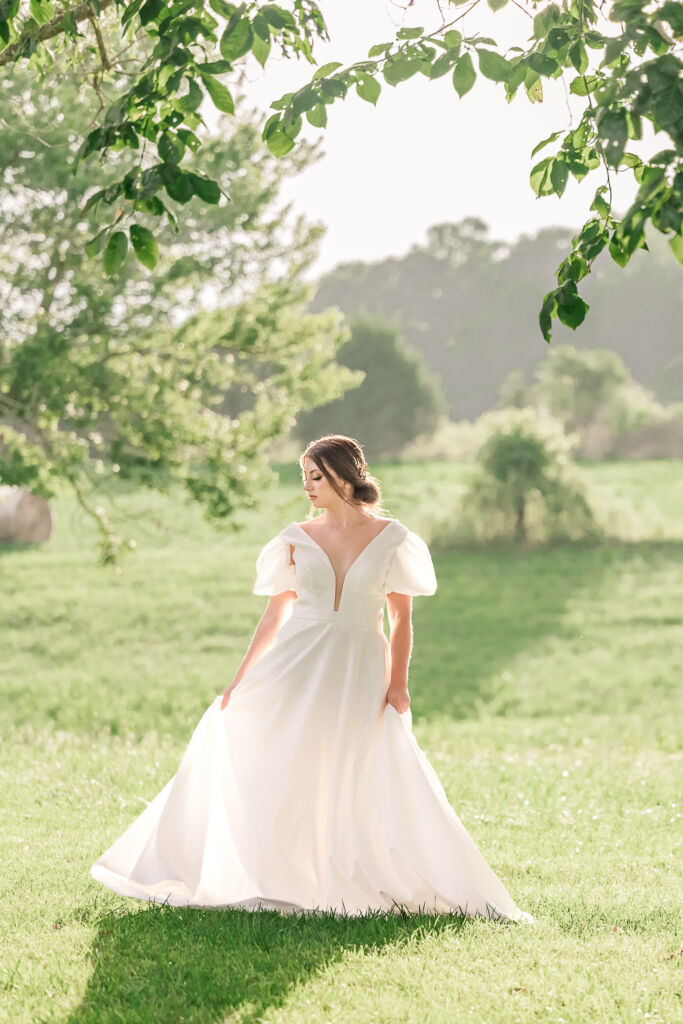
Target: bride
{"type": "Point", "coordinates": [303, 787]}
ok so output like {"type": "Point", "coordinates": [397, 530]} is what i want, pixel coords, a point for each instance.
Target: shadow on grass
{"type": "Point", "coordinates": [172, 964]}
{"type": "Point", "coordinates": [493, 605]}
{"type": "Point", "coordinates": [8, 548]}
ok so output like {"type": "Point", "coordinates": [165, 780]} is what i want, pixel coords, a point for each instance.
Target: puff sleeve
{"type": "Point", "coordinates": [411, 570]}
{"type": "Point", "coordinates": [273, 571]}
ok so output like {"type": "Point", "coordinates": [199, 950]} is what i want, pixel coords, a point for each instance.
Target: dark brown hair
{"type": "Point", "coordinates": [345, 456]}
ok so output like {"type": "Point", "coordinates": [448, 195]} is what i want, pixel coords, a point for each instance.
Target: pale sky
{"type": "Point", "coordinates": [424, 156]}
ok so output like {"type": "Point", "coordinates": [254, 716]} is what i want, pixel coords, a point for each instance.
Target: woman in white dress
{"type": "Point", "coordinates": [303, 788]}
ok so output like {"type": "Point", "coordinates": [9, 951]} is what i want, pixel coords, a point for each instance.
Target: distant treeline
{"type": "Point", "coordinates": [470, 305]}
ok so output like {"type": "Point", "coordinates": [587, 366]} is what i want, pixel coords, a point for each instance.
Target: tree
{"type": "Point", "coordinates": [106, 377]}
{"type": "Point", "coordinates": [524, 489]}
{"type": "Point", "coordinates": [396, 401]}
{"type": "Point", "coordinates": [574, 386]}
{"type": "Point", "coordinates": [625, 66]}
{"type": "Point", "coordinates": [594, 395]}
{"type": "Point", "coordinates": [440, 296]}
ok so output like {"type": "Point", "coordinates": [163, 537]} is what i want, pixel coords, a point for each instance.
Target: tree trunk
{"type": "Point", "coordinates": [520, 525]}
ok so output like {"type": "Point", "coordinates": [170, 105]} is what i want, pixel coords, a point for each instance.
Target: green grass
{"type": "Point", "coordinates": [545, 690]}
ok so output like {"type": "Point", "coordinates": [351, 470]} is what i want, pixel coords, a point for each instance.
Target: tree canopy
{"type": "Point", "coordinates": [132, 376]}
{"type": "Point", "coordinates": [625, 65]}
{"type": "Point", "coordinates": [397, 400]}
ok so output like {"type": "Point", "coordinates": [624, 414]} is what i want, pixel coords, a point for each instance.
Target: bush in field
{"type": "Point", "coordinates": [525, 490]}
{"type": "Point", "coordinates": [593, 393]}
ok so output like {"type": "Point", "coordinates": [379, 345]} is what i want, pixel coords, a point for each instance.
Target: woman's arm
{"type": "Point", "coordinates": [270, 622]}
{"type": "Point", "coordinates": [399, 607]}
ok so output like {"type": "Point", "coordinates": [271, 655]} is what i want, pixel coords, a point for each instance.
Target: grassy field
{"type": "Point", "coordinates": [545, 690]}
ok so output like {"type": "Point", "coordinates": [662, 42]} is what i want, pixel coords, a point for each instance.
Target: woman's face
{"type": "Point", "coordinates": [320, 492]}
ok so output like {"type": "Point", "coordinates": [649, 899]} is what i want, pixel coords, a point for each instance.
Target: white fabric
{"type": "Point", "coordinates": [309, 792]}
{"type": "Point", "coordinates": [411, 570]}
{"type": "Point", "coordinates": [273, 571]}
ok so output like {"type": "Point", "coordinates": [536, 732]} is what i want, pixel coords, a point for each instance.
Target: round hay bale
{"type": "Point", "coordinates": [24, 517]}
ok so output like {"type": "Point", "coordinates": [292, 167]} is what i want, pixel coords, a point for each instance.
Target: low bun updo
{"type": "Point", "coordinates": [344, 456]}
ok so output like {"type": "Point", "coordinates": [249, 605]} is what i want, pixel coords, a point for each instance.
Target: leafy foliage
{"type": "Point", "coordinates": [625, 77]}
{"type": "Point", "coordinates": [110, 377]}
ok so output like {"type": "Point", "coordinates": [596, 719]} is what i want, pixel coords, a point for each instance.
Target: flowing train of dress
{"type": "Point", "coordinates": [308, 791]}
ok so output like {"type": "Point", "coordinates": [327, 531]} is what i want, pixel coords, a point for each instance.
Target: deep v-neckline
{"type": "Point", "coordinates": [353, 563]}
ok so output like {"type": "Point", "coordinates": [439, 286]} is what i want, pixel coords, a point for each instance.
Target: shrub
{"type": "Point", "coordinates": [526, 489]}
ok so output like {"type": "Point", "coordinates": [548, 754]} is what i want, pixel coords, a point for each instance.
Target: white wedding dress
{"type": "Point", "coordinates": [309, 792]}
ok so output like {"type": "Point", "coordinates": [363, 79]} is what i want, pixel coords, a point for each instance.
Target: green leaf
{"type": "Point", "coordinates": [559, 172]}
{"type": "Point", "coordinates": [170, 148]}
{"type": "Point", "coordinates": [542, 63]}
{"type": "Point", "coordinates": [493, 66]}
{"type": "Point", "coordinates": [676, 244]}
{"type": "Point", "coordinates": [215, 67]}
{"type": "Point", "coordinates": [612, 128]}
{"type": "Point", "coordinates": [578, 56]}
{"type": "Point", "coordinates": [94, 199]}
{"type": "Point", "coordinates": [452, 38]}
{"type": "Point", "coordinates": [571, 309]}
{"type": "Point", "coordinates": [188, 103]}
{"type": "Point", "coordinates": [304, 99]}
{"type": "Point", "coordinates": [409, 33]}
{"type": "Point", "coordinates": [42, 10]}
{"type": "Point", "coordinates": [237, 41]}
{"type": "Point", "coordinates": [368, 88]}
{"type": "Point", "coordinates": [94, 245]}
{"type": "Point", "coordinates": [517, 76]}
{"type": "Point", "coordinates": [464, 75]}
{"type": "Point", "coordinates": [317, 115]}
{"type": "Point", "coordinates": [546, 142]}
{"type": "Point", "coordinates": [190, 139]}
{"type": "Point", "coordinates": [207, 189]}
{"type": "Point", "coordinates": [600, 205]}
{"type": "Point", "coordinates": [277, 17]}
{"type": "Point", "coordinates": [177, 183]}
{"type": "Point", "coordinates": [548, 310]}
{"type": "Point", "coordinates": [260, 48]}
{"type": "Point", "coordinates": [333, 87]}
{"type": "Point", "coordinates": [151, 10]}
{"type": "Point", "coordinates": [219, 94]}
{"type": "Point", "coordinates": [617, 251]}
{"type": "Point", "coordinates": [583, 85]}
{"type": "Point", "coordinates": [165, 72]}
{"type": "Point", "coordinates": [540, 177]}
{"type": "Point", "coordinates": [261, 29]}
{"type": "Point", "coordinates": [225, 10]}
{"type": "Point", "coordinates": [326, 69]}
{"type": "Point", "coordinates": [672, 12]}
{"type": "Point", "coordinates": [379, 49]}
{"type": "Point", "coordinates": [496, 5]}
{"type": "Point", "coordinates": [545, 19]}
{"type": "Point", "coordinates": [115, 253]}
{"type": "Point", "coordinates": [279, 143]}
{"type": "Point", "coordinates": [145, 246]}
{"type": "Point", "coordinates": [399, 69]}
